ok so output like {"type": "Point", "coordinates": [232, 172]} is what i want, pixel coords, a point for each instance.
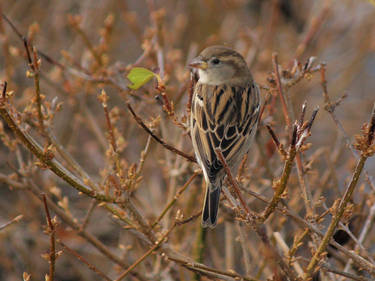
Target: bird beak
{"type": "Point", "coordinates": [198, 63]}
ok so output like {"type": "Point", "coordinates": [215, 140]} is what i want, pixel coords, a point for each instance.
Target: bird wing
{"type": "Point", "coordinates": [223, 117]}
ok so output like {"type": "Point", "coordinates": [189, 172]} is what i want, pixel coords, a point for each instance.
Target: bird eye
{"type": "Point", "coordinates": [215, 61]}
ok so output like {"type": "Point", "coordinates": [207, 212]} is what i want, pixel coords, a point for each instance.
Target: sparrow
{"type": "Point", "coordinates": [224, 116]}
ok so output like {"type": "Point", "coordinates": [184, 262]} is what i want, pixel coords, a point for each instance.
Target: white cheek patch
{"type": "Point", "coordinates": [209, 79]}
{"type": "Point", "coordinates": [216, 76]}
{"type": "Point", "coordinates": [203, 77]}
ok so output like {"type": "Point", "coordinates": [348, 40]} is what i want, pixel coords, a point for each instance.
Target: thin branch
{"type": "Point", "coordinates": [12, 221]}
{"type": "Point", "coordinates": [360, 261]}
{"type": "Point", "coordinates": [252, 220]}
{"type": "Point", "coordinates": [213, 272]}
{"type": "Point", "coordinates": [82, 259]}
{"type": "Point", "coordinates": [280, 89]}
{"type": "Point", "coordinates": [34, 66]}
{"type": "Point", "coordinates": [74, 22]}
{"type": "Point", "coordinates": [330, 109]}
{"type": "Point", "coordinates": [81, 232]}
{"type": "Point", "coordinates": [149, 252]}
{"type": "Point", "coordinates": [174, 200]}
{"type": "Point", "coordinates": [89, 213]}
{"type": "Point", "coordinates": [159, 140]}
{"type": "Point", "coordinates": [282, 183]}
{"type": "Point", "coordinates": [49, 160]}
{"type": "Point", "coordinates": [52, 233]}
{"type": "Point", "coordinates": [365, 230]}
{"type": "Point", "coordinates": [234, 183]}
{"type": "Point", "coordinates": [276, 141]}
{"type": "Point", "coordinates": [284, 247]}
{"type": "Point", "coordinates": [336, 219]}
{"type": "Point", "coordinates": [199, 249]}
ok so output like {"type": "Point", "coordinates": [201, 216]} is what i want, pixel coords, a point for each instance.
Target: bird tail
{"type": "Point", "coordinates": [211, 206]}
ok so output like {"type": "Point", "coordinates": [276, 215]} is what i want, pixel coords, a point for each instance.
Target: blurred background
{"type": "Point", "coordinates": [94, 44]}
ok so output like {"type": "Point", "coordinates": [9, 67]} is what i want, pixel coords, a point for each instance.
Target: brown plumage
{"type": "Point", "coordinates": [224, 115]}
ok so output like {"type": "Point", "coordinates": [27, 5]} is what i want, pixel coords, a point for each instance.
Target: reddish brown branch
{"type": "Point", "coordinates": [51, 232]}
{"type": "Point", "coordinates": [111, 134]}
{"type": "Point", "coordinates": [82, 259]}
{"type": "Point", "coordinates": [371, 130]}
{"type": "Point", "coordinates": [233, 182]}
{"type": "Point", "coordinates": [276, 141]}
{"type": "Point", "coordinates": [280, 89]}
{"type": "Point", "coordinates": [159, 140]}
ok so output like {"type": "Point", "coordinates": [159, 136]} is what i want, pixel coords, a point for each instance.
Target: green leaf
{"type": "Point", "coordinates": [139, 76]}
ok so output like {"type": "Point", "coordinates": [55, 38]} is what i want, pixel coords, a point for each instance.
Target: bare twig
{"type": "Point", "coordinates": [12, 221]}
{"type": "Point", "coordinates": [282, 183]}
{"type": "Point", "coordinates": [49, 160]}
{"type": "Point", "coordinates": [159, 140]}
{"type": "Point", "coordinates": [275, 139]}
{"type": "Point", "coordinates": [339, 211]}
{"type": "Point", "coordinates": [213, 272]}
{"type": "Point", "coordinates": [174, 200]}
{"type": "Point", "coordinates": [82, 259]}
{"type": "Point", "coordinates": [81, 232]}
{"type": "Point", "coordinates": [52, 233]}
{"type": "Point", "coordinates": [149, 252]}
{"type": "Point", "coordinates": [252, 220]}
{"type": "Point", "coordinates": [280, 89]}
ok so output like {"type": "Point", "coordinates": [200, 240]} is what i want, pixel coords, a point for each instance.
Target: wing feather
{"type": "Point", "coordinates": [222, 117]}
